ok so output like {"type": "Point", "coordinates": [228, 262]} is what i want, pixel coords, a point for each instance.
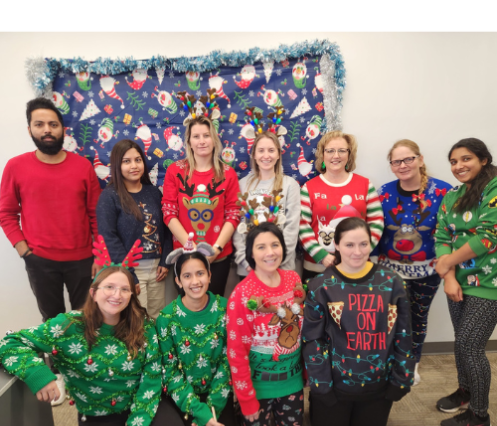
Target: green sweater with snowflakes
{"type": "Point", "coordinates": [478, 228]}
{"type": "Point", "coordinates": [193, 346]}
{"type": "Point", "coordinates": [101, 381]}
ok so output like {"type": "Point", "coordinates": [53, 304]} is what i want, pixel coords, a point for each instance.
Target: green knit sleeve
{"type": "Point", "coordinates": [175, 380]}
{"type": "Point", "coordinates": [220, 386]}
{"type": "Point", "coordinates": [147, 397]}
{"type": "Point", "coordinates": [19, 352]}
{"type": "Point", "coordinates": [443, 237]}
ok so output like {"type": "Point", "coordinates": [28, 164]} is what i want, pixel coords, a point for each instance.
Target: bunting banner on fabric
{"type": "Point", "coordinates": [294, 90]}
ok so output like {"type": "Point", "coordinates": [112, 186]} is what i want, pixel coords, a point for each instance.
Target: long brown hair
{"type": "Point", "coordinates": [351, 142]}
{"type": "Point", "coordinates": [130, 326]}
{"type": "Point", "coordinates": [117, 181]}
{"type": "Point", "coordinates": [488, 171]}
{"type": "Point", "coordinates": [216, 153]}
{"type": "Point", "coordinates": [413, 146]}
{"type": "Point", "coordinates": [278, 168]}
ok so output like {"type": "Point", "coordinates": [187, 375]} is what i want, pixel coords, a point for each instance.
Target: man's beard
{"type": "Point", "coordinates": [49, 145]}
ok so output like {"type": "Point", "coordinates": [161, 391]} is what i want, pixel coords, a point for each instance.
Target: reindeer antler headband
{"type": "Point", "coordinates": [208, 106]}
{"type": "Point", "coordinates": [249, 206]}
{"type": "Point", "coordinates": [189, 247]}
{"type": "Point", "coordinates": [254, 117]}
{"type": "Point", "coordinates": [102, 256]}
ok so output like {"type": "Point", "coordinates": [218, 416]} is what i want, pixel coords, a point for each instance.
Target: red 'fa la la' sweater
{"type": "Point", "coordinates": [201, 205]}
{"type": "Point", "coordinates": [56, 202]}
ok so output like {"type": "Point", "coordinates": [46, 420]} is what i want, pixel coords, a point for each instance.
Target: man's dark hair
{"type": "Point", "coordinates": [42, 103]}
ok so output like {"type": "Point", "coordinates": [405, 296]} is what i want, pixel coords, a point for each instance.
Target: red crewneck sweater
{"type": "Point", "coordinates": [56, 203]}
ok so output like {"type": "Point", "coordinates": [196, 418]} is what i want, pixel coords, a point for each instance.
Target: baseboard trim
{"type": "Point", "coordinates": [444, 348]}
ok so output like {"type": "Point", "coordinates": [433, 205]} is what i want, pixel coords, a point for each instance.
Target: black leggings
{"type": "Point", "coordinates": [474, 320]}
{"type": "Point", "coordinates": [350, 413]}
{"type": "Point", "coordinates": [287, 411]}
{"type": "Point", "coordinates": [168, 413]}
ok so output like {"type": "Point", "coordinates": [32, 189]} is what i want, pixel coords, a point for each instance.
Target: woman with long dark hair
{"type": "Point", "coordinates": [128, 209]}
{"type": "Point", "coordinates": [107, 353]}
{"type": "Point", "coordinates": [466, 245]}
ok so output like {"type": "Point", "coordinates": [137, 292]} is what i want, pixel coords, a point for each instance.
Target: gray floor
{"type": "Point", "coordinates": [438, 378]}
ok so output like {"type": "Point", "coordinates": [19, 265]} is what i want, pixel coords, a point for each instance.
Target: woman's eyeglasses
{"type": "Point", "coordinates": [407, 160]}
{"type": "Point", "coordinates": [110, 290]}
{"type": "Point", "coordinates": [341, 152]}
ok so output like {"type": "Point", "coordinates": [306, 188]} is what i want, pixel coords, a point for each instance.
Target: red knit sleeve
{"type": "Point", "coordinates": [10, 207]}
{"type": "Point", "coordinates": [92, 195]}
{"type": "Point", "coordinates": [231, 209]}
{"type": "Point", "coordinates": [170, 207]}
{"type": "Point", "coordinates": [239, 327]}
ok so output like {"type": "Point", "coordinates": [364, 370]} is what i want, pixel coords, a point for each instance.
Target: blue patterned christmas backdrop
{"type": "Point", "coordinates": [297, 89]}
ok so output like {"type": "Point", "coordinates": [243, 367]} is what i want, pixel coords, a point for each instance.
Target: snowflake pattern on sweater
{"type": "Point", "coordinates": [111, 377]}
{"type": "Point", "coordinates": [193, 346]}
{"type": "Point", "coordinates": [254, 339]}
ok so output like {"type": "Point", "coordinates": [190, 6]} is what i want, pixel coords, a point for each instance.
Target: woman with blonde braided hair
{"type": "Point", "coordinates": [410, 204]}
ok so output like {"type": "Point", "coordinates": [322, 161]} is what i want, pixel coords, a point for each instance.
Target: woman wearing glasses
{"type": "Point", "coordinates": [107, 352]}
{"type": "Point", "coordinates": [411, 204]}
{"type": "Point", "coordinates": [327, 199]}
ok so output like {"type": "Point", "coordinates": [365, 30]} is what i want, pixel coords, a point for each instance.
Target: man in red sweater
{"type": "Point", "coordinates": [55, 193]}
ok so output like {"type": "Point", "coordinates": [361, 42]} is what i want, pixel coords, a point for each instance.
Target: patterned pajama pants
{"type": "Point", "coordinates": [287, 411]}
{"type": "Point", "coordinates": [474, 320]}
{"type": "Point", "coordinates": [421, 293]}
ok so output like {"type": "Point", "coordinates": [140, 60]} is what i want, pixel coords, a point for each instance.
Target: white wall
{"type": "Point", "coordinates": [433, 88]}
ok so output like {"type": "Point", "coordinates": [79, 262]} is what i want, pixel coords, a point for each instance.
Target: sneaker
{"type": "Point", "coordinates": [62, 389]}
{"type": "Point", "coordinates": [466, 418]}
{"type": "Point", "coordinates": [417, 377]}
{"type": "Point", "coordinates": [459, 400]}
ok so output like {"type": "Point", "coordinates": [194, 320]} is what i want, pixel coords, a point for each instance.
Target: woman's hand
{"type": "Point", "coordinates": [212, 258]}
{"type": "Point", "coordinates": [253, 417]}
{"type": "Point", "coordinates": [328, 260]}
{"type": "Point", "coordinates": [443, 265]}
{"type": "Point", "coordinates": [161, 273]}
{"type": "Point", "coordinates": [49, 392]}
{"type": "Point", "coordinates": [249, 269]}
{"type": "Point", "coordinates": [452, 288]}
{"type": "Point", "coordinates": [213, 422]}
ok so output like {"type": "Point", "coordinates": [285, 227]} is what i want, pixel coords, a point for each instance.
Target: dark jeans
{"type": "Point", "coordinates": [118, 419]}
{"type": "Point", "coordinates": [47, 278]}
{"type": "Point", "coordinates": [350, 413]}
{"type": "Point", "coordinates": [168, 413]}
{"type": "Point", "coordinates": [219, 278]}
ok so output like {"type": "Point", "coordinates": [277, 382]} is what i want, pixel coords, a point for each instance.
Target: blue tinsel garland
{"type": "Point", "coordinates": [42, 72]}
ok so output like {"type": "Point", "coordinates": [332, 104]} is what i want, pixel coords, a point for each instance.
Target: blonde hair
{"type": "Point", "coordinates": [351, 142]}
{"type": "Point", "coordinates": [413, 146]}
{"type": "Point", "coordinates": [216, 153]}
{"type": "Point", "coordinates": [278, 167]}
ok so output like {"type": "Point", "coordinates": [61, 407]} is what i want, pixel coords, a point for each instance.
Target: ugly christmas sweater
{"type": "Point", "coordinates": [288, 218]}
{"type": "Point", "coordinates": [263, 349]}
{"type": "Point", "coordinates": [121, 229]}
{"type": "Point", "coordinates": [201, 204]}
{"type": "Point", "coordinates": [357, 335]}
{"type": "Point", "coordinates": [321, 201]}
{"type": "Point", "coordinates": [193, 346]}
{"type": "Point", "coordinates": [478, 228]}
{"type": "Point", "coordinates": [101, 381]}
{"type": "Point", "coordinates": [55, 202]}
{"type": "Point", "coordinates": [407, 245]}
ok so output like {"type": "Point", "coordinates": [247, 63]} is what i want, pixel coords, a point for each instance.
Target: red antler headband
{"type": "Point", "coordinates": [102, 256]}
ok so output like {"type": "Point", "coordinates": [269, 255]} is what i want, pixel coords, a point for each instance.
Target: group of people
{"type": "Point", "coordinates": [352, 328]}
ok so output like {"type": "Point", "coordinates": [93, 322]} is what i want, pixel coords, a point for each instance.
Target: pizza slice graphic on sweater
{"type": "Point", "coordinates": [392, 316]}
{"type": "Point", "coordinates": [336, 309]}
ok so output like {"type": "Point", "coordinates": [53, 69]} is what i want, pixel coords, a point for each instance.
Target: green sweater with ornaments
{"type": "Point", "coordinates": [101, 381]}
{"type": "Point", "coordinates": [193, 346]}
{"type": "Point", "coordinates": [478, 228]}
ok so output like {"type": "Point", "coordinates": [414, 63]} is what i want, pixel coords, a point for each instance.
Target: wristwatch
{"type": "Point", "coordinates": [217, 246]}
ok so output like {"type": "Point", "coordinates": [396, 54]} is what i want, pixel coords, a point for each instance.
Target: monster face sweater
{"type": "Point", "coordinates": [193, 346]}
{"type": "Point", "coordinates": [478, 228]}
{"type": "Point", "coordinates": [325, 204]}
{"type": "Point", "coordinates": [357, 335]}
{"type": "Point", "coordinates": [407, 245]}
{"type": "Point", "coordinates": [264, 349]}
{"type": "Point", "coordinates": [102, 380]}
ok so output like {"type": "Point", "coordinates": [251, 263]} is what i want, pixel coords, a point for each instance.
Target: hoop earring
{"type": "Point", "coordinates": [323, 166]}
